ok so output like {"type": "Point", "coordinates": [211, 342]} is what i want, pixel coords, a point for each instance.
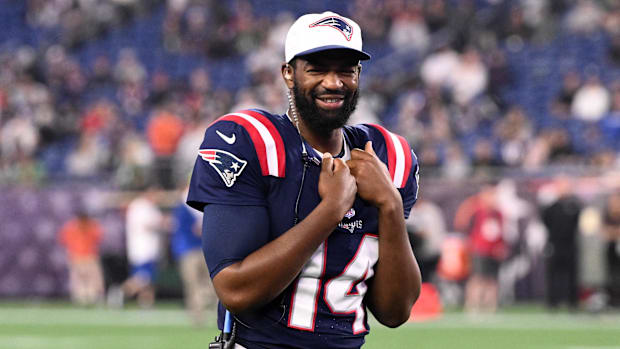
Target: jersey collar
{"type": "Point", "coordinates": [345, 152]}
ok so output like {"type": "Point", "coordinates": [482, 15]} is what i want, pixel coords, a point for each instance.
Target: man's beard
{"type": "Point", "coordinates": [317, 120]}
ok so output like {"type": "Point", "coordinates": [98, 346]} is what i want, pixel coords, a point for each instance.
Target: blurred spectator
{"type": "Point", "coordinates": [552, 145]}
{"type": "Point", "coordinates": [484, 160]}
{"type": "Point", "coordinates": [514, 131]}
{"type": "Point", "coordinates": [185, 155]}
{"type": "Point", "coordinates": [437, 68]}
{"type": "Point", "coordinates": [455, 165]}
{"type": "Point", "coordinates": [561, 218]}
{"type": "Point", "coordinates": [101, 71]}
{"type": "Point", "coordinates": [160, 89]}
{"type": "Point", "coordinates": [469, 77]}
{"type": "Point", "coordinates": [186, 247]}
{"type": "Point", "coordinates": [591, 100]}
{"type": "Point", "coordinates": [585, 17]}
{"type": "Point", "coordinates": [558, 116]}
{"type": "Point", "coordinates": [18, 137]}
{"type": "Point", "coordinates": [410, 105]}
{"type": "Point", "coordinates": [610, 125]}
{"type": "Point", "coordinates": [164, 132]}
{"type": "Point", "coordinates": [614, 50]}
{"type": "Point", "coordinates": [246, 26]}
{"type": "Point", "coordinates": [196, 34]}
{"type": "Point", "coordinates": [408, 30]}
{"type": "Point", "coordinates": [439, 126]}
{"type": "Point", "coordinates": [81, 237]}
{"type": "Point", "coordinates": [516, 210]}
{"type": "Point", "coordinates": [427, 228]}
{"type": "Point", "coordinates": [436, 15]}
{"type": "Point", "coordinates": [145, 225]}
{"type": "Point", "coordinates": [171, 26]}
{"type": "Point", "coordinates": [500, 76]}
{"type": "Point", "coordinates": [611, 228]}
{"type": "Point", "coordinates": [612, 18]}
{"type": "Point", "coordinates": [513, 25]}
{"type": "Point", "coordinates": [480, 217]}
{"type": "Point", "coordinates": [135, 162]}
{"type": "Point", "coordinates": [562, 150]}
{"type": "Point", "coordinates": [570, 84]}
{"type": "Point", "coordinates": [453, 268]}
{"type": "Point", "coordinates": [373, 16]}
{"type": "Point", "coordinates": [267, 55]}
{"type": "Point", "coordinates": [128, 68]}
{"type": "Point", "coordinates": [88, 158]}
{"type": "Point", "coordinates": [429, 155]}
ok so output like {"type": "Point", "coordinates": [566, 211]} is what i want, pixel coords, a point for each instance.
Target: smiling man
{"type": "Point", "coordinates": [304, 216]}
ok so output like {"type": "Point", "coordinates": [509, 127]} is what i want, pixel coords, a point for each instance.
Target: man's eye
{"type": "Point", "coordinates": [347, 73]}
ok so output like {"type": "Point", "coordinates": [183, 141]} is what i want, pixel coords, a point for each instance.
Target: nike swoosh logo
{"type": "Point", "coordinates": [229, 140]}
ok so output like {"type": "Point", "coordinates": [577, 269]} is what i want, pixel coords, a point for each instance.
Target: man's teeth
{"type": "Point", "coordinates": [331, 100]}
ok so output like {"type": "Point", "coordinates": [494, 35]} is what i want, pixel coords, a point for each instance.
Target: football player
{"type": "Point", "coordinates": [304, 216]}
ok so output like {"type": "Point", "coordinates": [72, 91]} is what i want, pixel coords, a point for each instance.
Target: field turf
{"type": "Point", "coordinates": [62, 326]}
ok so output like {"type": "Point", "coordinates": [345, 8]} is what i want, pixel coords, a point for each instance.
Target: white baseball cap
{"type": "Point", "coordinates": [323, 31]}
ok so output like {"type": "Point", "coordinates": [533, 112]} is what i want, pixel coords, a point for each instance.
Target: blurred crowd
{"type": "Point", "coordinates": [121, 117]}
{"type": "Point", "coordinates": [447, 75]}
{"type": "Point", "coordinates": [554, 241]}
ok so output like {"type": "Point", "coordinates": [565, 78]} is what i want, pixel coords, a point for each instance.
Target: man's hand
{"type": "Point", "coordinates": [389, 298]}
{"type": "Point", "coordinates": [372, 177]}
{"type": "Point", "coordinates": [337, 185]}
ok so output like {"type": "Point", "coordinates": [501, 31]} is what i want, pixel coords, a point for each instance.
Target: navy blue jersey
{"type": "Point", "coordinates": [255, 158]}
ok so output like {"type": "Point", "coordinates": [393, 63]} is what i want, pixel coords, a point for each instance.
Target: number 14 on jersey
{"type": "Point", "coordinates": [343, 294]}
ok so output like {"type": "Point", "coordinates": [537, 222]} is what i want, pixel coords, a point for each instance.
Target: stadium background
{"type": "Point", "coordinates": [480, 88]}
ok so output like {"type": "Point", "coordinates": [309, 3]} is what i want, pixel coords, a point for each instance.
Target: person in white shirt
{"type": "Point", "coordinates": [144, 226]}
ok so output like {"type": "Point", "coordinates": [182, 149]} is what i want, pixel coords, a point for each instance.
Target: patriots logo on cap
{"type": "Point", "coordinates": [228, 166]}
{"type": "Point", "coordinates": [337, 23]}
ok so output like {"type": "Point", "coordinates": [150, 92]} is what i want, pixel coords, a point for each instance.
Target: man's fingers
{"type": "Point", "coordinates": [368, 148]}
{"type": "Point", "coordinates": [351, 164]}
{"type": "Point", "coordinates": [363, 154]}
{"type": "Point", "coordinates": [338, 164]}
{"type": "Point", "coordinates": [357, 154]}
{"type": "Point", "coordinates": [328, 163]}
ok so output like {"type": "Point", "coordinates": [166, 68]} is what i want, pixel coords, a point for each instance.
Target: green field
{"type": "Point", "coordinates": [56, 326]}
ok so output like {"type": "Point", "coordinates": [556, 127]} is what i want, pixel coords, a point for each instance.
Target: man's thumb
{"type": "Point", "coordinates": [328, 163]}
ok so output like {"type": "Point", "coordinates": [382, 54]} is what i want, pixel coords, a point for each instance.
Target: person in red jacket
{"type": "Point", "coordinates": [81, 237]}
{"type": "Point", "coordinates": [481, 218]}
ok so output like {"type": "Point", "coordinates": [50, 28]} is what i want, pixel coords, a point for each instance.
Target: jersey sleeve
{"type": "Point", "coordinates": [227, 170]}
{"type": "Point", "coordinates": [226, 239]}
{"type": "Point", "coordinates": [410, 191]}
{"type": "Point", "coordinates": [402, 163]}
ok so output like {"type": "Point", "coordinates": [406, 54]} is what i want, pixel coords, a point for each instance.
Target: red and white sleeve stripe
{"type": "Point", "coordinates": [399, 156]}
{"type": "Point", "coordinates": [266, 138]}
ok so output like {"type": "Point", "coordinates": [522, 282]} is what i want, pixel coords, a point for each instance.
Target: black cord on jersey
{"type": "Point", "coordinates": [306, 160]}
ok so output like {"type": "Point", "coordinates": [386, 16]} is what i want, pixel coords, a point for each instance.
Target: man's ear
{"type": "Point", "coordinates": [287, 74]}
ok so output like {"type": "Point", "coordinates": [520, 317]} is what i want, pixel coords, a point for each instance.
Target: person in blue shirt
{"type": "Point", "coordinates": [186, 247]}
{"type": "Point", "coordinates": [304, 216]}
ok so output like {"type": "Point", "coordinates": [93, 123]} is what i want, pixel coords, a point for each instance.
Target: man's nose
{"type": "Point", "coordinates": [332, 81]}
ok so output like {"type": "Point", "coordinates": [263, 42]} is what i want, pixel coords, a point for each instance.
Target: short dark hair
{"type": "Point", "coordinates": [293, 62]}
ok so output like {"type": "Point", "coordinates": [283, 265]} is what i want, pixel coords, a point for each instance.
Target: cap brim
{"type": "Point", "coordinates": [361, 55]}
